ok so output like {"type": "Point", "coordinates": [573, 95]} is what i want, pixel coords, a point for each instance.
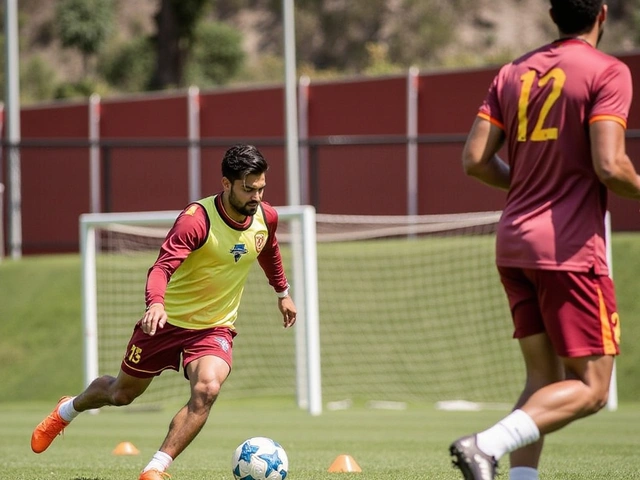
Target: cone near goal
{"type": "Point", "coordinates": [344, 464]}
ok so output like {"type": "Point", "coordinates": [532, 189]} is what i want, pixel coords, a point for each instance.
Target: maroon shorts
{"type": "Point", "coordinates": [576, 309]}
{"type": "Point", "coordinates": [148, 356]}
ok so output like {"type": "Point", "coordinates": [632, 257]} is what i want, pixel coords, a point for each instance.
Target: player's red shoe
{"type": "Point", "coordinates": [154, 475]}
{"type": "Point", "coordinates": [48, 429]}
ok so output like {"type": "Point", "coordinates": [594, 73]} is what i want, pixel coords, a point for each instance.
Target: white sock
{"type": "Point", "coordinates": [523, 473]}
{"type": "Point", "coordinates": [66, 410]}
{"type": "Point", "coordinates": [160, 462]}
{"type": "Point", "coordinates": [512, 432]}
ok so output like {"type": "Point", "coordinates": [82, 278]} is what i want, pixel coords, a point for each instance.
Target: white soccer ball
{"type": "Point", "coordinates": [259, 458]}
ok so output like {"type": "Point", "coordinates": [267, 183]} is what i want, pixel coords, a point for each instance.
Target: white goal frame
{"type": "Point", "coordinates": [305, 286]}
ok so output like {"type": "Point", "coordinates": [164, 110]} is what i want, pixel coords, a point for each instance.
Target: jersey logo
{"type": "Point", "coordinates": [261, 239]}
{"type": "Point", "coordinates": [224, 344]}
{"type": "Point", "coordinates": [238, 250]}
{"type": "Point", "coordinates": [191, 210]}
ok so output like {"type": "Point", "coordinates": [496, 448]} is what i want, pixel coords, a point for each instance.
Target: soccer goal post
{"type": "Point", "coordinates": [117, 250]}
{"type": "Point", "coordinates": [393, 310]}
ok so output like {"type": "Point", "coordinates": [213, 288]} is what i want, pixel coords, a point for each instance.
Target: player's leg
{"type": "Point", "coordinates": [144, 354]}
{"type": "Point", "coordinates": [476, 455]}
{"type": "Point", "coordinates": [105, 390]}
{"type": "Point", "coordinates": [559, 404]}
{"type": "Point", "coordinates": [542, 367]}
{"type": "Point", "coordinates": [207, 359]}
{"type": "Point", "coordinates": [582, 324]}
{"type": "Point", "coordinates": [206, 374]}
{"type": "Point", "coordinates": [113, 391]}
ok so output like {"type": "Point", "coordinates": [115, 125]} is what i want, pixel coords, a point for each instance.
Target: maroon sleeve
{"type": "Point", "coordinates": [188, 233]}
{"type": "Point", "coordinates": [614, 91]}
{"type": "Point", "coordinates": [490, 108]}
{"type": "Point", "coordinates": [270, 259]}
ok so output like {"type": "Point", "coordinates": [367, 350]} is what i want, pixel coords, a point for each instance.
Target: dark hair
{"type": "Point", "coordinates": [242, 160]}
{"type": "Point", "coordinates": [575, 16]}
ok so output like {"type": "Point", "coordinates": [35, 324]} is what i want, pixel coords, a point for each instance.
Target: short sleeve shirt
{"type": "Point", "coordinates": [545, 101]}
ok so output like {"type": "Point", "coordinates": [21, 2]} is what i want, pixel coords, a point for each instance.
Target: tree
{"type": "Point", "coordinates": [217, 54]}
{"type": "Point", "coordinates": [176, 22]}
{"type": "Point", "coordinates": [129, 66]}
{"type": "Point", "coordinates": [85, 25]}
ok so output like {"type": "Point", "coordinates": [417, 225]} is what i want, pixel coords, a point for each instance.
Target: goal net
{"type": "Point", "coordinates": [411, 310]}
{"type": "Point", "coordinates": [117, 251]}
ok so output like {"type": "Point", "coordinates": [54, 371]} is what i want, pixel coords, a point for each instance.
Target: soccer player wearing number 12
{"type": "Point", "coordinates": [207, 255]}
{"type": "Point", "coordinates": [561, 111]}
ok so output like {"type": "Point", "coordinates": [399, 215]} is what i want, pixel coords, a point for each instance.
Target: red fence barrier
{"type": "Point", "coordinates": [155, 152]}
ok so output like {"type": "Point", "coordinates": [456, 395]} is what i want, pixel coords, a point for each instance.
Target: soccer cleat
{"type": "Point", "coordinates": [48, 429]}
{"type": "Point", "coordinates": [472, 462]}
{"type": "Point", "coordinates": [154, 474]}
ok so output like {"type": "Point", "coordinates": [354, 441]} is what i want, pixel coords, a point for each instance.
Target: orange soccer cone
{"type": "Point", "coordinates": [344, 463]}
{"type": "Point", "coordinates": [125, 448]}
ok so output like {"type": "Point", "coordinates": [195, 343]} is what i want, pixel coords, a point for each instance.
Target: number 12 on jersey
{"type": "Point", "coordinates": [539, 133]}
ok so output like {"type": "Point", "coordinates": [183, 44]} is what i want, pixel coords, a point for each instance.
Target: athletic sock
{"type": "Point", "coordinates": [160, 462]}
{"type": "Point", "coordinates": [523, 473]}
{"type": "Point", "coordinates": [512, 432]}
{"type": "Point", "coordinates": [66, 410]}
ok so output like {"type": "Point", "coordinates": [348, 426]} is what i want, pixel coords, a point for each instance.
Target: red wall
{"type": "Point", "coordinates": [359, 179]}
{"type": "Point", "coordinates": [146, 178]}
{"type": "Point", "coordinates": [233, 116]}
{"type": "Point", "coordinates": [54, 180]}
{"type": "Point", "coordinates": [351, 179]}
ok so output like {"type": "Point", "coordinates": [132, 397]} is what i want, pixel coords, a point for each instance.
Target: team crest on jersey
{"type": "Point", "coordinates": [261, 239]}
{"type": "Point", "coordinates": [238, 250]}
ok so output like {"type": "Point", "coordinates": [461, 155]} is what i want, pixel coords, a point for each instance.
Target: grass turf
{"type": "Point", "coordinates": [40, 348]}
{"type": "Point", "coordinates": [390, 445]}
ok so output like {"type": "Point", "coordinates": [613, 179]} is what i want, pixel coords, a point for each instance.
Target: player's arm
{"type": "Point", "coordinates": [480, 154]}
{"type": "Point", "coordinates": [610, 160]}
{"type": "Point", "coordinates": [187, 234]}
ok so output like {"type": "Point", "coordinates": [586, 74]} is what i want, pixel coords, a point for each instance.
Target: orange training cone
{"type": "Point", "coordinates": [344, 463]}
{"type": "Point", "coordinates": [125, 448]}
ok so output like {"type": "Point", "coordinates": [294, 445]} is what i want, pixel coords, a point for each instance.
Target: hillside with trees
{"type": "Point", "coordinates": [72, 48]}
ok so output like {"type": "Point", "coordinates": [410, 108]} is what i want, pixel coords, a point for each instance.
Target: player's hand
{"type": "Point", "coordinates": [154, 318]}
{"type": "Point", "coordinates": [288, 310]}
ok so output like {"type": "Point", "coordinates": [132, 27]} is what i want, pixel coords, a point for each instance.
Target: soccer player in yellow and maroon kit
{"type": "Point", "coordinates": [561, 111]}
{"type": "Point", "coordinates": [192, 295]}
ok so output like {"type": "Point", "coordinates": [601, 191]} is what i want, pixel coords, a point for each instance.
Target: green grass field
{"type": "Point", "coordinates": [390, 445]}
{"type": "Point", "coordinates": [41, 348]}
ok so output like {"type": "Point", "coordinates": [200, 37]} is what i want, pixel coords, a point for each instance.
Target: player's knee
{"type": "Point", "coordinates": [601, 399]}
{"type": "Point", "coordinates": [121, 398]}
{"type": "Point", "coordinates": [206, 392]}
{"type": "Point", "coordinates": [597, 400]}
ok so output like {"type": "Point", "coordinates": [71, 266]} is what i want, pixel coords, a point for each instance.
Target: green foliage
{"type": "Point", "coordinates": [267, 68]}
{"type": "Point", "coordinates": [421, 30]}
{"type": "Point", "coordinates": [81, 89]}
{"type": "Point", "coordinates": [188, 14]}
{"type": "Point", "coordinates": [84, 24]}
{"type": "Point", "coordinates": [336, 36]}
{"type": "Point", "coordinates": [379, 63]}
{"type": "Point", "coordinates": [217, 55]}
{"type": "Point", "coordinates": [128, 67]}
{"type": "Point", "coordinates": [176, 22]}
{"type": "Point", "coordinates": [37, 80]}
